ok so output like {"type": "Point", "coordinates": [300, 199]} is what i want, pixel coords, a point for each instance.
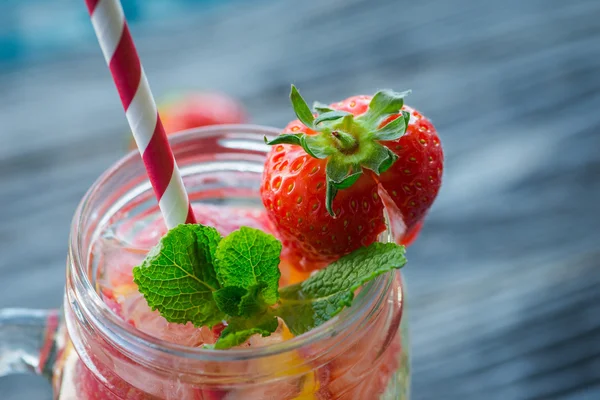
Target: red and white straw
{"type": "Point", "coordinates": [124, 63]}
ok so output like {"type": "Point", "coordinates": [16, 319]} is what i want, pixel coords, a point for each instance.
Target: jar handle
{"type": "Point", "coordinates": [27, 341]}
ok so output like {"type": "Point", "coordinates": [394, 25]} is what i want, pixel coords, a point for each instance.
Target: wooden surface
{"type": "Point", "coordinates": [505, 279]}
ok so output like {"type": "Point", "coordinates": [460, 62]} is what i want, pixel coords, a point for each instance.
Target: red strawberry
{"type": "Point", "coordinates": [109, 299]}
{"type": "Point", "coordinates": [90, 388]}
{"type": "Point", "coordinates": [122, 379]}
{"type": "Point", "coordinates": [322, 179]}
{"type": "Point", "coordinates": [211, 394]}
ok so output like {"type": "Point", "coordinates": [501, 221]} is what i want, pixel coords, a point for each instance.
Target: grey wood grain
{"type": "Point", "coordinates": [504, 281]}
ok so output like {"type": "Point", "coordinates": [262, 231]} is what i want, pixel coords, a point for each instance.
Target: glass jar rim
{"type": "Point", "coordinates": [120, 333]}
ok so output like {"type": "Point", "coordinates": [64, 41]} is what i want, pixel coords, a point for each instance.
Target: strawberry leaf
{"type": "Point", "coordinates": [301, 108]}
{"type": "Point", "coordinates": [330, 116]}
{"type": "Point", "coordinates": [340, 175]}
{"type": "Point", "coordinates": [330, 193]}
{"type": "Point", "coordinates": [343, 175]}
{"type": "Point", "coordinates": [311, 303]}
{"type": "Point", "coordinates": [287, 138]}
{"type": "Point", "coordinates": [392, 130]}
{"type": "Point", "coordinates": [406, 116]}
{"type": "Point", "coordinates": [383, 104]}
{"type": "Point", "coordinates": [177, 277]}
{"type": "Point", "coordinates": [381, 159]}
{"type": "Point", "coordinates": [321, 108]}
{"type": "Point", "coordinates": [315, 145]}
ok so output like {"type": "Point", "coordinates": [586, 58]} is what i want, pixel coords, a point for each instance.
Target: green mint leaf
{"type": "Point", "coordinates": [247, 258]}
{"type": "Point", "coordinates": [239, 330]}
{"type": "Point", "coordinates": [308, 304]}
{"type": "Point", "coordinates": [301, 108]}
{"type": "Point", "coordinates": [177, 277]}
{"type": "Point", "coordinates": [240, 302]}
{"type": "Point", "coordinates": [228, 299]}
{"type": "Point", "coordinates": [384, 103]}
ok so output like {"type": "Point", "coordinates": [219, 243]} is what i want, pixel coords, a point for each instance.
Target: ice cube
{"type": "Point", "coordinates": [113, 261]}
{"type": "Point", "coordinates": [292, 376]}
{"type": "Point", "coordinates": [227, 219]}
{"type": "Point", "coordinates": [164, 387]}
{"type": "Point", "coordinates": [135, 309]}
{"type": "Point", "coordinates": [145, 231]}
{"type": "Point", "coordinates": [282, 333]}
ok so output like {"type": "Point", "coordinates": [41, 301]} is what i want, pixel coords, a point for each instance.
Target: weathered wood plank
{"type": "Point", "coordinates": [505, 280]}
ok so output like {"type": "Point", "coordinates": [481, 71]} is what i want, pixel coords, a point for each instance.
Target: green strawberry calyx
{"type": "Point", "coordinates": [349, 143]}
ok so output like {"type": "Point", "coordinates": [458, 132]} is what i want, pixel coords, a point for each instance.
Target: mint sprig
{"type": "Point", "coordinates": [178, 278]}
{"type": "Point", "coordinates": [311, 303]}
{"type": "Point", "coordinates": [194, 275]}
{"type": "Point", "coordinates": [249, 259]}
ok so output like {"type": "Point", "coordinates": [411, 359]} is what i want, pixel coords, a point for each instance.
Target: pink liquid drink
{"type": "Point", "coordinates": [115, 347]}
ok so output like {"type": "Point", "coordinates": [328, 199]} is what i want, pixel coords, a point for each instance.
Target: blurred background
{"type": "Point", "coordinates": [505, 279]}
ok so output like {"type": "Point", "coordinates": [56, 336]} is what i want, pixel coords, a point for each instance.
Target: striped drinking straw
{"type": "Point", "coordinates": [127, 72]}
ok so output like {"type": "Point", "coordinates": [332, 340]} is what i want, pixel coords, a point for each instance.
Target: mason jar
{"type": "Point", "coordinates": [89, 352]}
